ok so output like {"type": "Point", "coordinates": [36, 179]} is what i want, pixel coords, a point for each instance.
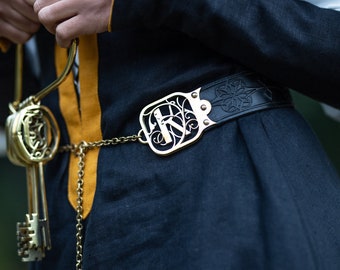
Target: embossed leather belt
{"type": "Point", "coordinates": [179, 119]}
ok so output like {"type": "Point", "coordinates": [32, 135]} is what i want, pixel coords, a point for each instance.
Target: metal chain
{"type": "Point", "coordinates": [80, 151]}
{"type": "Point", "coordinates": [74, 148]}
{"type": "Point", "coordinates": [79, 217]}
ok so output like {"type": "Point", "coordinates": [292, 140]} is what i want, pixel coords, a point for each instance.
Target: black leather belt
{"type": "Point", "coordinates": [179, 119]}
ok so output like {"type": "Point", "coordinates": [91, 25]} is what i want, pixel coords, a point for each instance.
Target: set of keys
{"type": "Point", "coordinates": [32, 140]}
{"type": "Point", "coordinates": [32, 137]}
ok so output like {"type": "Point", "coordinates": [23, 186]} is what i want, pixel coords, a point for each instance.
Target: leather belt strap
{"type": "Point", "coordinates": [241, 94]}
{"type": "Point", "coordinates": [179, 119]}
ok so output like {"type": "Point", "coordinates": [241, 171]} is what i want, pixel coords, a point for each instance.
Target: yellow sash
{"type": "Point", "coordinates": [83, 120]}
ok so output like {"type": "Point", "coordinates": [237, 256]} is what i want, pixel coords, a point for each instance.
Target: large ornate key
{"type": "Point", "coordinates": [33, 140]}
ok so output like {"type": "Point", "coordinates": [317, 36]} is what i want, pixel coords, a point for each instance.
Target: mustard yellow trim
{"type": "Point", "coordinates": [90, 113]}
{"type": "Point", "coordinates": [5, 44]}
{"type": "Point", "coordinates": [83, 122]}
{"type": "Point", "coordinates": [67, 98]}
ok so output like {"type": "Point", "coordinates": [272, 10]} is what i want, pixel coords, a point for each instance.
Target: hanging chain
{"type": "Point", "coordinates": [80, 151]}
{"type": "Point", "coordinates": [79, 217]}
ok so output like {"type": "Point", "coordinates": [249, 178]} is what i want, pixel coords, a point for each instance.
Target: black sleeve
{"type": "Point", "coordinates": [289, 41]}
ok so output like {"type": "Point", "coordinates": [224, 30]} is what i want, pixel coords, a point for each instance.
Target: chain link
{"type": "Point", "coordinates": [79, 217]}
{"type": "Point", "coordinates": [80, 151]}
{"type": "Point", "coordinates": [74, 148]}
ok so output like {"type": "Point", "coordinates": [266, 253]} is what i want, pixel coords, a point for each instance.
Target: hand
{"type": "Point", "coordinates": [68, 19]}
{"type": "Point", "coordinates": [18, 22]}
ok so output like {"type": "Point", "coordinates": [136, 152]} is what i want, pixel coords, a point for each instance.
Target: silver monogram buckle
{"type": "Point", "coordinates": [174, 121]}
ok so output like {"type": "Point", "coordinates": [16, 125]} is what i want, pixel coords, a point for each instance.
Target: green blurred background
{"type": "Point", "coordinates": [327, 129]}
{"type": "Point", "coordinates": [13, 190]}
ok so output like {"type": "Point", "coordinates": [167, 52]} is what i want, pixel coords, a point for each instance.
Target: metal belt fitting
{"type": "Point", "coordinates": [179, 119]}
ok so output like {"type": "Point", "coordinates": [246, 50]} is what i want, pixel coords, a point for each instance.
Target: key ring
{"type": "Point", "coordinates": [32, 131]}
{"type": "Point", "coordinates": [17, 104]}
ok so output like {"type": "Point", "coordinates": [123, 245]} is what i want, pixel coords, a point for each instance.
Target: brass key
{"type": "Point", "coordinates": [33, 234]}
{"type": "Point", "coordinates": [32, 140]}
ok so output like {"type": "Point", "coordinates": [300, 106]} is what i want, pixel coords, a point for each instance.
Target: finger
{"type": "Point", "coordinates": [69, 30]}
{"type": "Point", "coordinates": [72, 29]}
{"type": "Point", "coordinates": [21, 22]}
{"type": "Point", "coordinates": [50, 16]}
{"type": "Point", "coordinates": [26, 10]}
{"type": "Point", "coordinates": [12, 33]}
{"type": "Point", "coordinates": [30, 2]}
{"type": "Point", "coordinates": [23, 8]}
{"type": "Point", "coordinates": [40, 4]}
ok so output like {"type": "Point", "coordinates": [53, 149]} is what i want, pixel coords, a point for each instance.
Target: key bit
{"type": "Point", "coordinates": [31, 255]}
{"type": "Point", "coordinates": [27, 249]}
{"type": "Point", "coordinates": [34, 230]}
